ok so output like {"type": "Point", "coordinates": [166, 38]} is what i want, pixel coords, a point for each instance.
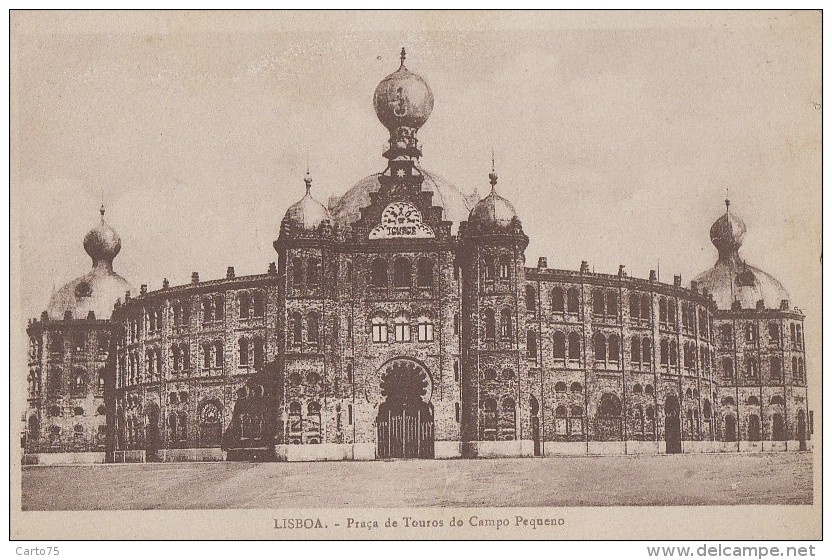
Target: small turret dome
{"type": "Point", "coordinates": [493, 210]}
{"type": "Point", "coordinates": [731, 280]}
{"type": "Point", "coordinates": [403, 99]}
{"type": "Point", "coordinates": [97, 290]}
{"type": "Point", "coordinates": [306, 214]}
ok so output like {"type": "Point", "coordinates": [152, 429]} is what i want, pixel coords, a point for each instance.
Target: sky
{"type": "Point", "coordinates": [616, 135]}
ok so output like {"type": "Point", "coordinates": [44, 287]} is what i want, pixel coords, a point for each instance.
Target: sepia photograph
{"type": "Point", "coordinates": [415, 274]}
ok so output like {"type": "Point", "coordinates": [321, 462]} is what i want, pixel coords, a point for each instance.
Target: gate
{"type": "Point", "coordinates": [405, 432]}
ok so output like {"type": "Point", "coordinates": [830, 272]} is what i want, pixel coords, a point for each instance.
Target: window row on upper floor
{"type": "Point", "coordinates": [210, 309]}
{"type": "Point", "coordinates": [750, 333]}
{"type": "Point", "coordinates": [751, 369]}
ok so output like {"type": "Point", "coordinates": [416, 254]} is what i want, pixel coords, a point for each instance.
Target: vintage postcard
{"type": "Point", "coordinates": [416, 275]}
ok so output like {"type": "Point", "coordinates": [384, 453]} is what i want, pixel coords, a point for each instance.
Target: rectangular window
{"type": "Point", "coordinates": [402, 332]}
{"type": "Point", "coordinates": [379, 333]}
{"type": "Point", "coordinates": [425, 332]}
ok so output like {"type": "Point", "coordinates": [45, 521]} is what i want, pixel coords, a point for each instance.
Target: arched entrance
{"type": "Point", "coordinates": [405, 418]}
{"type": "Point", "coordinates": [801, 430]}
{"type": "Point", "coordinates": [672, 425]}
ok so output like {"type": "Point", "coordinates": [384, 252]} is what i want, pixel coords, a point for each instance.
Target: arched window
{"type": "Point", "coordinates": [727, 369]}
{"type": "Point", "coordinates": [612, 304]}
{"type": "Point", "coordinates": [574, 346]}
{"type": "Point", "coordinates": [635, 305]}
{"type": "Point", "coordinates": [378, 273]}
{"type": "Point", "coordinates": [614, 348]}
{"type": "Point", "coordinates": [557, 300]}
{"type": "Point", "coordinates": [648, 389]}
{"type": "Point", "coordinates": [662, 310]}
{"type": "Point", "coordinates": [752, 368]}
{"type": "Point", "coordinates": [776, 399]}
{"type": "Point", "coordinates": [598, 302]}
{"type": "Point", "coordinates": [297, 272]}
{"type": "Point", "coordinates": [219, 358]}
{"type": "Point", "coordinates": [505, 267]}
{"type": "Point", "coordinates": [379, 328]}
{"type": "Point", "coordinates": [489, 375]}
{"type": "Point", "coordinates": [728, 401]}
{"type": "Point", "coordinates": [560, 412]}
{"type": "Point", "coordinates": [296, 326]}
{"type": "Point", "coordinates": [674, 353]}
{"type": "Point", "coordinates": [258, 304]}
{"type": "Point", "coordinates": [600, 346]}
{"type": "Point", "coordinates": [645, 307]}
{"type": "Point", "coordinates": [774, 332]}
{"type": "Point", "coordinates": [505, 324]}
{"type": "Point", "coordinates": [101, 380]}
{"type": "Point", "coordinates": [637, 390]}
{"type": "Point", "coordinates": [243, 352]}
{"type": "Point", "coordinates": [207, 310]}
{"type": "Point", "coordinates": [752, 400]}
{"type": "Point", "coordinates": [507, 424]}
{"type": "Point", "coordinates": [646, 351]}
{"type": "Point", "coordinates": [488, 267]}
{"type": "Point", "coordinates": [572, 301]}
{"type": "Point", "coordinates": [78, 411]}
{"type": "Point", "coordinates": [531, 298]}
{"type": "Point", "coordinates": [508, 374]}
{"type": "Point", "coordinates": [245, 303]}
{"type": "Point", "coordinates": [560, 387]}
{"type": "Point", "coordinates": [776, 368]}
{"type": "Point", "coordinates": [401, 273]}
{"type": "Point", "coordinates": [531, 345]}
{"type": "Point", "coordinates": [79, 382]}
{"type": "Point", "coordinates": [312, 330]}
{"type": "Point", "coordinates": [801, 371]}
{"type": "Point", "coordinates": [313, 272]}
{"type": "Point", "coordinates": [576, 387]}
{"type": "Point", "coordinates": [401, 327]}
{"type": "Point", "coordinates": [424, 273]}
{"type": "Point", "coordinates": [258, 352]}
{"type": "Point", "coordinates": [559, 346]}
{"type": "Point", "coordinates": [489, 420]}
{"type": "Point", "coordinates": [672, 313]}
{"type": "Point", "coordinates": [490, 324]}
{"type": "Point", "coordinates": [609, 406]}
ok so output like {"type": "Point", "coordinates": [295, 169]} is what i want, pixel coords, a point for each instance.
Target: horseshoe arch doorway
{"type": "Point", "coordinates": [405, 417]}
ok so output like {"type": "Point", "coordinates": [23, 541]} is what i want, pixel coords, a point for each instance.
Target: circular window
{"type": "Point", "coordinates": [83, 289]}
{"type": "Point", "coordinates": [295, 378]}
{"type": "Point", "coordinates": [508, 374]}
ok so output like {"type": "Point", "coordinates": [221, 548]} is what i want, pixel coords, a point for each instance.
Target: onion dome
{"type": "Point", "coordinates": [731, 280]}
{"type": "Point", "coordinates": [97, 290]}
{"type": "Point", "coordinates": [455, 205]}
{"type": "Point", "coordinates": [403, 99]}
{"type": "Point", "coordinates": [493, 210]}
{"type": "Point", "coordinates": [306, 214]}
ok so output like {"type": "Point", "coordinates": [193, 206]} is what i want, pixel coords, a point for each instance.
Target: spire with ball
{"type": "Point", "coordinates": [403, 102]}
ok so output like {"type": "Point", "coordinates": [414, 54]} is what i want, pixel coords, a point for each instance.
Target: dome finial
{"type": "Point", "coordinates": [493, 175]}
{"type": "Point", "coordinates": [403, 55]}
{"type": "Point", "coordinates": [308, 180]}
{"type": "Point", "coordinates": [101, 210]}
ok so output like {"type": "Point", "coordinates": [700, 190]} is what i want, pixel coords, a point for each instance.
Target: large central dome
{"type": "Point", "coordinates": [455, 205]}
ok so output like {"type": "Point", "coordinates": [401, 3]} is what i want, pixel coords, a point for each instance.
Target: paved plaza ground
{"type": "Point", "coordinates": [700, 479]}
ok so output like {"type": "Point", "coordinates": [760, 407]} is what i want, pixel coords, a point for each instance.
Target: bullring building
{"type": "Point", "coordinates": [402, 320]}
